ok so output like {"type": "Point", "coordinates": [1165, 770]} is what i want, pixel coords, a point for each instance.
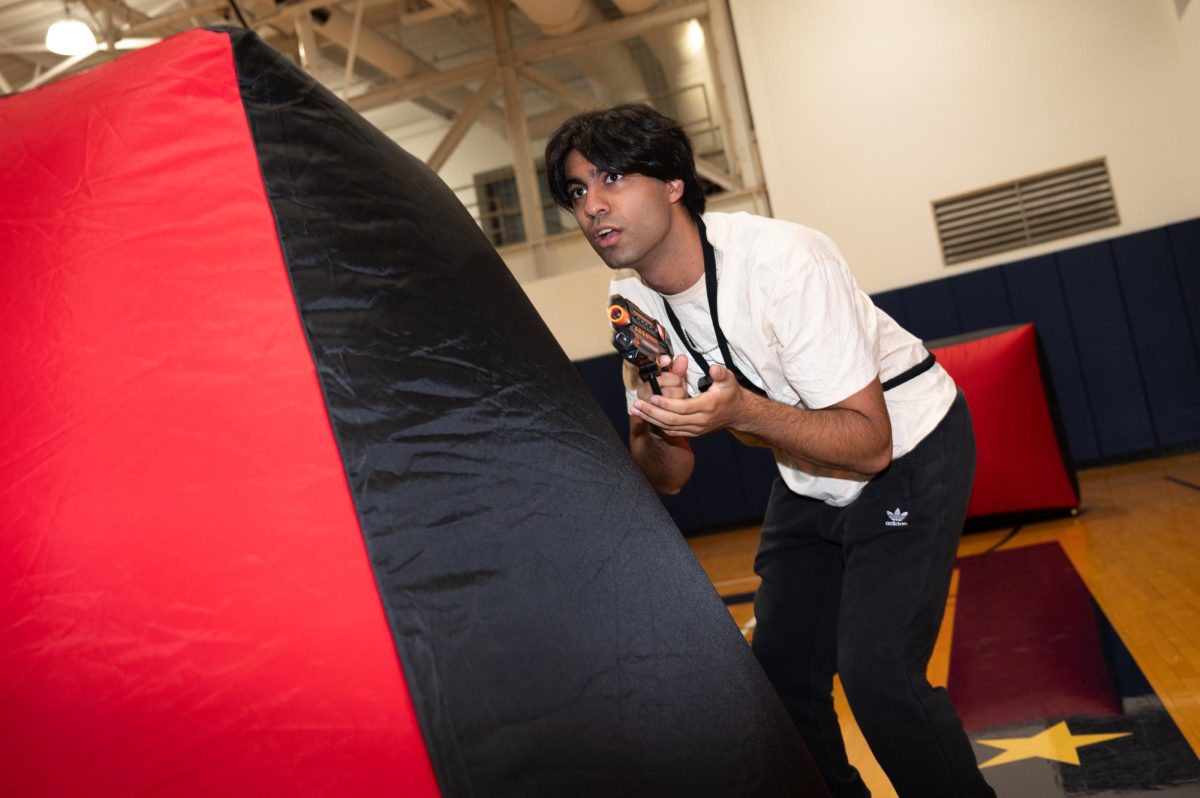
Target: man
{"type": "Point", "coordinates": [872, 439]}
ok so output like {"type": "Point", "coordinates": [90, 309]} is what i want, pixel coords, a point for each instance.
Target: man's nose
{"type": "Point", "coordinates": [595, 202]}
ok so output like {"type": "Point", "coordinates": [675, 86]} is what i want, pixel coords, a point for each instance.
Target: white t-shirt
{"type": "Point", "coordinates": [798, 326]}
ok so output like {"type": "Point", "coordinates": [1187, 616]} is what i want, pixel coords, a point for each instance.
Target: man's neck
{"type": "Point", "coordinates": [678, 262]}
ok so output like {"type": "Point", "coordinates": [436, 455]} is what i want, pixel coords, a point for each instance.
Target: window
{"type": "Point", "coordinates": [500, 207]}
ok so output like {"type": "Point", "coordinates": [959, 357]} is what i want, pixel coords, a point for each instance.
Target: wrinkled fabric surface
{"type": "Point", "coordinates": [299, 496]}
{"type": "Point", "coordinates": [185, 604]}
{"type": "Point", "coordinates": [558, 636]}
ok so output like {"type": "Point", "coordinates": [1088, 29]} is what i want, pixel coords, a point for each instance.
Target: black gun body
{"type": "Point", "coordinates": [639, 338]}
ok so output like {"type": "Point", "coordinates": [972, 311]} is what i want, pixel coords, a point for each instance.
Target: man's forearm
{"type": "Point", "coordinates": [839, 438]}
{"type": "Point", "coordinates": [853, 435]}
{"type": "Point", "coordinates": [666, 461]}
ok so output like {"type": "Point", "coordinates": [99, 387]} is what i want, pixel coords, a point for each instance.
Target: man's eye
{"type": "Point", "coordinates": [576, 193]}
{"type": "Point", "coordinates": [611, 178]}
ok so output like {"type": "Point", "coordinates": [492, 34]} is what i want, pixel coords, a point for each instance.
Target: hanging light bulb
{"type": "Point", "coordinates": [70, 37]}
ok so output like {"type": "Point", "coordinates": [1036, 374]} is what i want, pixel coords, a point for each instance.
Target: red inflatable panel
{"type": "Point", "coordinates": [187, 604]}
{"type": "Point", "coordinates": [1021, 466]}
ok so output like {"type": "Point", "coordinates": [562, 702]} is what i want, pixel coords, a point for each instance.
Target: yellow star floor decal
{"type": "Point", "coordinates": [1056, 743]}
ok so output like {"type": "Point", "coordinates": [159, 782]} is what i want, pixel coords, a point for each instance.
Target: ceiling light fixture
{"type": "Point", "coordinates": [70, 37]}
{"type": "Point", "coordinates": [694, 36]}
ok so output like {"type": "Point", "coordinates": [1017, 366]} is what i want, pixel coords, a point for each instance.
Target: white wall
{"type": "Point", "coordinates": [868, 111]}
{"type": "Point", "coordinates": [1188, 37]}
{"type": "Point", "coordinates": [481, 150]}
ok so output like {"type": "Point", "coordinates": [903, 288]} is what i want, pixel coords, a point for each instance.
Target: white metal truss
{"type": "Point", "coordinates": [453, 63]}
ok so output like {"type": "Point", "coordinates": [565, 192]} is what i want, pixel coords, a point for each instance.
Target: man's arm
{"type": "Point", "coordinates": [666, 461]}
{"type": "Point", "coordinates": [854, 434]}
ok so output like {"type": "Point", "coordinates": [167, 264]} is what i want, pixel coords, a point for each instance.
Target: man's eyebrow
{"type": "Point", "coordinates": [575, 181]}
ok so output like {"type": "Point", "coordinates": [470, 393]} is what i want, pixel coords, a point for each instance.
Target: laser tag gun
{"type": "Point", "coordinates": [639, 338]}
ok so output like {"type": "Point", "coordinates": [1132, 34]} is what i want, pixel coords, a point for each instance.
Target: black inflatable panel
{"type": "Point", "coordinates": [557, 634]}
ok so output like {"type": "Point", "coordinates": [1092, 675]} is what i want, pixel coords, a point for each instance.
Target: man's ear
{"type": "Point", "coordinates": [674, 190]}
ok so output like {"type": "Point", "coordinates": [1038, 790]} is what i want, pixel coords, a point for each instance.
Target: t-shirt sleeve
{"type": "Point", "coordinates": [828, 343]}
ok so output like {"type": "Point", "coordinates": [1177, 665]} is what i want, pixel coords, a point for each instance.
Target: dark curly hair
{"type": "Point", "coordinates": [625, 139]}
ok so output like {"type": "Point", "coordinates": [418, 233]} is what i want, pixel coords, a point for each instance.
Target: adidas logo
{"type": "Point", "coordinates": [896, 518]}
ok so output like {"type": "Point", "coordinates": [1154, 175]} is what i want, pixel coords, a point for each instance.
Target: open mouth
{"type": "Point", "coordinates": [606, 235]}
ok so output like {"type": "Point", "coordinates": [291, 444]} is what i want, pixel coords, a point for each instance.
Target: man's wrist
{"type": "Point", "coordinates": [667, 439]}
{"type": "Point", "coordinates": [746, 412]}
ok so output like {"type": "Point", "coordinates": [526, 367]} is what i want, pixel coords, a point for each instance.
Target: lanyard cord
{"type": "Point", "coordinates": [710, 285]}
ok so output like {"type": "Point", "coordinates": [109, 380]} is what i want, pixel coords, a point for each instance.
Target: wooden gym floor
{"type": "Point", "coordinates": [1136, 546]}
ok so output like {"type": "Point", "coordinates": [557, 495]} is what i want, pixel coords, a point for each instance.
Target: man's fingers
{"type": "Point", "coordinates": [671, 410]}
{"type": "Point", "coordinates": [668, 422]}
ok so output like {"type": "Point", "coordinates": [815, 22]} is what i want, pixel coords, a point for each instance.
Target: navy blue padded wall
{"type": "Point", "coordinates": [1035, 294]}
{"type": "Point", "coordinates": [1158, 320]}
{"type": "Point", "coordinates": [892, 303]}
{"type": "Point", "coordinates": [1119, 321]}
{"type": "Point", "coordinates": [731, 482]}
{"type": "Point", "coordinates": [757, 466]}
{"type": "Point", "coordinates": [603, 377]}
{"type": "Point", "coordinates": [1185, 251]}
{"type": "Point", "coordinates": [730, 485]}
{"type": "Point", "coordinates": [1105, 346]}
{"type": "Point", "coordinates": [981, 299]}
{"type": "Point", "coordinates": [930, 311]}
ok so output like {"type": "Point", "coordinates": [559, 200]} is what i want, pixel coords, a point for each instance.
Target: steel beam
{"type": "Point", "coordinates": [412, 88]}
{"type": "Point", "coordinates": [573, 98]}
{"type": "Point", "coordinates": [466, 118]}
{"type": "Point", "coordinates": [182, 15]}
{"type": "Point", "coordinates": [352, 47]}
{"type": "Point", "coordinates": [55, 71]}
{"type": "Point", "coordinates": [607, 33]}
{"type": "Point", "coordinates": [732, 105]}
{"type": "Point", "coordinates": [525, 55]}
{"type": "Point", "coordinates": [308, 43]}
{"type": "Point", "coordinates": [710, 171]}
{"type": "Point", "coordinates": [518, 136]}
{"type": "Point", "coordinates": [288, 11]}
{"type": "Point", "coordinates": [132, 15]}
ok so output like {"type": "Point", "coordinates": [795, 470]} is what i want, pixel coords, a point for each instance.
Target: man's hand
{"type": "Point", "coordinates": [672, 379]}
{"type": "Point", "coordinates": [666, 461]}
{"type": "Point", "coordinates": [853, 435]}
{"type": "Point", "coordinates": [681, 416]}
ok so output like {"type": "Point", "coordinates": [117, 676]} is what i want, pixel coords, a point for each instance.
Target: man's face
{"type": "Point", "coordinates": [625, 217]}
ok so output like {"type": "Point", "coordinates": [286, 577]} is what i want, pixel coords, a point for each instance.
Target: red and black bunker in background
{"type": "Point", "coordinates": [299, 496]}
{"type": "Point", "coordinates": [1023, 469]}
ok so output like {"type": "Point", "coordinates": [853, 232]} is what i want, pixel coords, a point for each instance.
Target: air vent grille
{"type": "Point", "coordinates": [1044, 207]}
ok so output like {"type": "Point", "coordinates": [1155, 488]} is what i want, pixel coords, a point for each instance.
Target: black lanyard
{"type": "Point", "coordinates": [710, 284]}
